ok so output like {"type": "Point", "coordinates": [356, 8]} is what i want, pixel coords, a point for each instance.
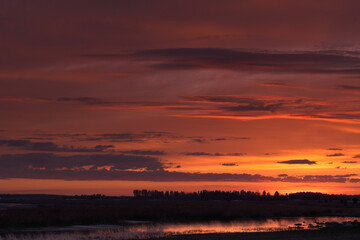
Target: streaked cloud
{"type": "Point", "coordinates": [52, 147]}
{"type": "Point", "coordinates": [212, 154]}
{"type": "Point", "coordinates": [144, 152]}
{"type": "Point", "coordinates": [349, 162]}
{"type": "Point", "coordinates": [335, 155]}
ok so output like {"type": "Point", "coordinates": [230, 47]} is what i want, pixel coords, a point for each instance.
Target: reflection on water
{"type": "Point", "coordinates": [268, 225]}
{"type": "Point", "coordinates": [137, 230]}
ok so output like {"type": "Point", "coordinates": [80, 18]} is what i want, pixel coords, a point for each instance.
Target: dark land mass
{"type": "Point", "coordinates": [23, 211]}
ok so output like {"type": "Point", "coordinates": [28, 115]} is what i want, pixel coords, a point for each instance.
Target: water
{"type": "Point", "coordinates": [4, 206]}
{"type": "Point", "coordinates": [268, 225]}
{"type": "Point", "coordinates": [136, 230]}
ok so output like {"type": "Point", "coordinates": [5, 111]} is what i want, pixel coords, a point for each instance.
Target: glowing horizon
{"type": "Point", "coordinates": [234, 95]}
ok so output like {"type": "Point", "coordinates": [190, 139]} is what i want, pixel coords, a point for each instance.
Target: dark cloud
{"type": "Point", "coordinates": [51, 146]}
{"type": "Point", "coordinates": [349, 87]}
{"type": "Point", "coordinates": [220, 139]}
{"type": "Point", "coordinates": [331, 116]}
{"type": "Point", "coordinates": [103, 103]}
{"type": "Point", "coordinates": [117, 136]}
{"type": "Point", "coordinates": [101, 148]}
{"type": "Point", "coordinates": [125, 167]}
{"type": "Point", "coordinates": [134, 175]}
{"type": "Point", "coordinates": [232, 59]}
{"type": "Point", "coordinates": [328, 178]}
{"type": "Point", "coordinates": [231, 138]}
{"type": "Point", "coordinates": [335, 155]}
{"type": "Point", "coordinates": [282, 175]}
{"type": "Point", "coordinates": [224, 105]}
{"type": "Point", "coordinates": [200, 140]}
{"type": "Point", "coordinates": [202, 154]}
{"type": "Point", "coordinates": [14, 143]}
{"type": "Point", "coordinates": [49, 162]}
{"type": "Point", "coordinates": [144, 152]}
{"type": "Point", "coordinates": [132, 137]}
{"type": "Point", "coordinates": [139, 137]}
{"type": "Point", "coordinates": [252, 104]}
{"type": "Point", "coordinates": [298, 161]}
{"type": "Point", "coordinates": [349, 161]}
{"type": "Point", "coordinates": [335, 149]}
{"type": "Point", "coordinates": [221, 99]}
{"type": "Point", "coordinates": [356, 156]}
{"type": "Point", "coordinates": [229, 164]}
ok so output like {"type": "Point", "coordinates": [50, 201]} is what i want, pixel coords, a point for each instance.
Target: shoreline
{"type": "Point", "coordinates": [348, 233]}
{"type": "Point", "coordinates": [335, 232]}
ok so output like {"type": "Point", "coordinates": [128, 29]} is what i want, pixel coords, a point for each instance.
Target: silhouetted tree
{"type": "Point", "coordinates": [231, 195]}
{"type": "Point", "coordinates": [277, 195]}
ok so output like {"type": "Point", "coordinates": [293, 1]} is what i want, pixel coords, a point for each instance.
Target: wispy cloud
{"type": "Point", "coordinates": [349, 88]}
{"type": "Point", "coordinates": [232, 59]}
{"type": "Point", "coordinates": [224, 106]}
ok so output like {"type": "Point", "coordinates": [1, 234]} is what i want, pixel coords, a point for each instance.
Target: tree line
{"type": "Point", "coordinates": [236, 195]}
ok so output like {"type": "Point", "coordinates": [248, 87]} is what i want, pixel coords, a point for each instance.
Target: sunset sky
{"type": "Point", "coordinates": [111, 96]}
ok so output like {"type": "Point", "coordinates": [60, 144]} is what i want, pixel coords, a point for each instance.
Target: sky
{"type": "Point", "coordinates": [110, 96]}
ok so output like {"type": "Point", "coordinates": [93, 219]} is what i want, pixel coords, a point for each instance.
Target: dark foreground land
{"type": "Point", "coordinates": [342, 233]}
{"type": "Point", "coordinates": [18, 213]}
{"type": "Point", "coordinates": [45, 211]}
